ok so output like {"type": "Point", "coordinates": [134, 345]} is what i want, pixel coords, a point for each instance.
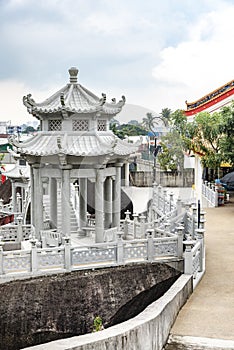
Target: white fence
{"type": "Point", "coordinates": [209, 193]}
{"type": "Point", "coordinates": [170, 230]}
{"type": "Point", "coordinates": [69, 258]}
{"type": "Point", "coordinates": [15, 233]}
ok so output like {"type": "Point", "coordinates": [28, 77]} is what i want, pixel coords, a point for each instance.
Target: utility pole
{"type": "Point", "coordinates": [154, 169]}
{"type": "Point", "coordinates": [157, 149]}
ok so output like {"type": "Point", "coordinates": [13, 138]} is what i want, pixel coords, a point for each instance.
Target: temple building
{"type": "Point", "coordinates": [75, 145]}
{"type": "Point", "coordinates": [212, 102]}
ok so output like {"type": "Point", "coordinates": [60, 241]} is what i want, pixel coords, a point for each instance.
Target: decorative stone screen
{"type": "Point", "coordinates": [101, 125]}
{"type": "Point", "coordinates": [55, 125]}
{"type": "Point", "coordinates": [80, 125]}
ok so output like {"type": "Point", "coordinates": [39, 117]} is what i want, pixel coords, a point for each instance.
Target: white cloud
{"type": "Point", "coordinates": [12, 107]}
{"type": "Point", "coordinates": [204, 61]}
{"type": "Point", "coordinates": [115, 44]}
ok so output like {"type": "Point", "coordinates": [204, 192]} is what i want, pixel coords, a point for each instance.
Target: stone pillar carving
{"type": "Point", "coordinates": [82, 203]}
{"type": "Point", "coordinates": [53, 202]}
{"type": "Point", "coordinates": [37, 200]}
{"type": "Point", "coordinates": [65, 200]}
{"type": "Point", "coordinates": [117, 196]}
{"type": "Point", "coordinates": [99, 207]}
{"type": "Point", "coordinates": [108, 202]}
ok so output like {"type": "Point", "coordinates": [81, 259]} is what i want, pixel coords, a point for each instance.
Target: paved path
{"type": "Point", "coordinates": [209, 312]}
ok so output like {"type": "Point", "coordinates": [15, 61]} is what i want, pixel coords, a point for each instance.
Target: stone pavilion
{"type": "Point", "coordinates": [75, 145]}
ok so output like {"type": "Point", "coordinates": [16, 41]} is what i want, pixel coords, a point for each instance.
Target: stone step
{"type": "Point", "coordinates": [73, 219]}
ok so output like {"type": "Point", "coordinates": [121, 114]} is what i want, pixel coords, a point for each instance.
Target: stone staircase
{"type": "Point", "coordinates": [73, 218]}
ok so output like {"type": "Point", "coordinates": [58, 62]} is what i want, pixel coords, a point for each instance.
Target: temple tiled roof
{"type": "Point", "coordinates": [219, 97]}
{"type": "Point", "coordinates": [18, 172]}
{"type": "Point", "coordinates": [89, 144]}
{"type": "Point", "coordinates": [73, 98]}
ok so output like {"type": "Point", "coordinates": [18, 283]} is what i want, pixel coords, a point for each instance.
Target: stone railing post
{"type": "Point", "coordinates": [142, 225]}
{"type": "Point", "coordinates": [120, 249]}
{"type": "Point", "coordinates": [19, 229]}
{"type": "Point", "coordinates": [194, 222]}
{"type": "Point", "coordinates": [1, 257]}
{"type": "Point", "coordinates": [150, 245]}
{"type": "Point", "coordinates": [180, 234]}
{"type": "Point", "coordinates": [202, 219]}
{"type": "Point", "coordinates": [166, 228]}
{"type": "Point", "coordinates": [171, 196]}
{"type": "Point", "coordinates": [200, 232]}
{"type": "Point", "coordinates": [179, 206]}
{"type": "Point", "coordinates": [126, 223]}
{"type": "Point", "coordinates": [155, 225]}
{"type": "Point", "coordinates": [127, 215]}
{"type": "Point", "coordinates": [34, 261]}
{"type": "Point", "coordinates": [135, 224]}
{"type": "Point", "coordinates": [67, 253]}
{"type": "Point", "coordinates": [188, 257]}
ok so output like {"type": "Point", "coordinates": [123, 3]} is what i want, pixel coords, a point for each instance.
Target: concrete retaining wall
{"type": "Point", "coordinates": [149, 330]}
{"type": "Point", "coordinates": [165, 179]}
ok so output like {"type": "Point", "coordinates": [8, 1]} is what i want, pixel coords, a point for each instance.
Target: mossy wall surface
{"type": "Point", "coordinates": [42, 309]}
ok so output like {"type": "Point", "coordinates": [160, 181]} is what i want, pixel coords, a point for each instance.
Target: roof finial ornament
{"type": "Point", "coordinates": [73, 71]}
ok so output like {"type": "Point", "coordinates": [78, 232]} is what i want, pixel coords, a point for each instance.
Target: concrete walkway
{"type": "Point", "coordinates": [209, 313]}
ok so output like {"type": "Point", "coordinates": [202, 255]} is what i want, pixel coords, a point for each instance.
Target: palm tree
{"type": "Point", "coordinates": [165, 116]}
{"type": "Point", "coordinates": [149, 122]}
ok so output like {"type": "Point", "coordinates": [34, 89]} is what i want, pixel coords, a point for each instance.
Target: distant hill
{"type": "Point", "coordinates": [132, 112]}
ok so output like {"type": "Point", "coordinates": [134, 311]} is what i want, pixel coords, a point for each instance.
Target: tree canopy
{"type": "Point", "coordinates": [124, 130]}
{"type": "Point", "coordinates": [210, 135]}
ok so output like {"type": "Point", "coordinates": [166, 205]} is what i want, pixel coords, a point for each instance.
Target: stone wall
{"type": "Point", "coordinates": [43, 309]}
{"type": "Point", "coordinates": [165, 179]}
{"type": "Point", "coordinates": [147, 331]}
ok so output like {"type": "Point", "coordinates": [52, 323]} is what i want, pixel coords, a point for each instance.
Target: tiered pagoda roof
{"type": "Point", "coordinates": [212, 101]}
{"type": "Point", "coordinates": [18, 172]}
{"type": "Point", "coordinates": [46, 144]}
{"type": "Point", "coordinates": [74, 122]}
{"type": "Point", "coordinates": [73, 98]}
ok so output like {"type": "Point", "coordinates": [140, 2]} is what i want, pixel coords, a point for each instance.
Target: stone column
{"type": "Point", "coordinates": [32, 196]}
{"type": "Point", "coordinates": [53, 202]}
{"type": "Point", "coordinates": [99, 207]}
{"type": "Point", "coordinates": [37, 206]}
{"type": "Point", "coordinates": [65, 200]}
{"type": "Point", "coordinates": [108, 202]}
{"type": "Point", "coordinates": [13, 196]}
{"type": "Point", "coordinates": [117, 196]}
{"type": "Point", "coordinates": [188, 258]}
{"type": "Point", "coordinates": [82, 203]}
{"type": "Point", "coordinates": [126, 174]}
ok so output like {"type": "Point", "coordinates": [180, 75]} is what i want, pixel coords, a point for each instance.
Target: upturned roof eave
{"type": "Point", "coordinates": [65, 100]}
{"type": "Point", "coordinates": [92, 145]}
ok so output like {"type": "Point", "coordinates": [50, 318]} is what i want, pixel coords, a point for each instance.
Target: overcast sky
{"type": "Point", "coordinates": [158, 53]}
